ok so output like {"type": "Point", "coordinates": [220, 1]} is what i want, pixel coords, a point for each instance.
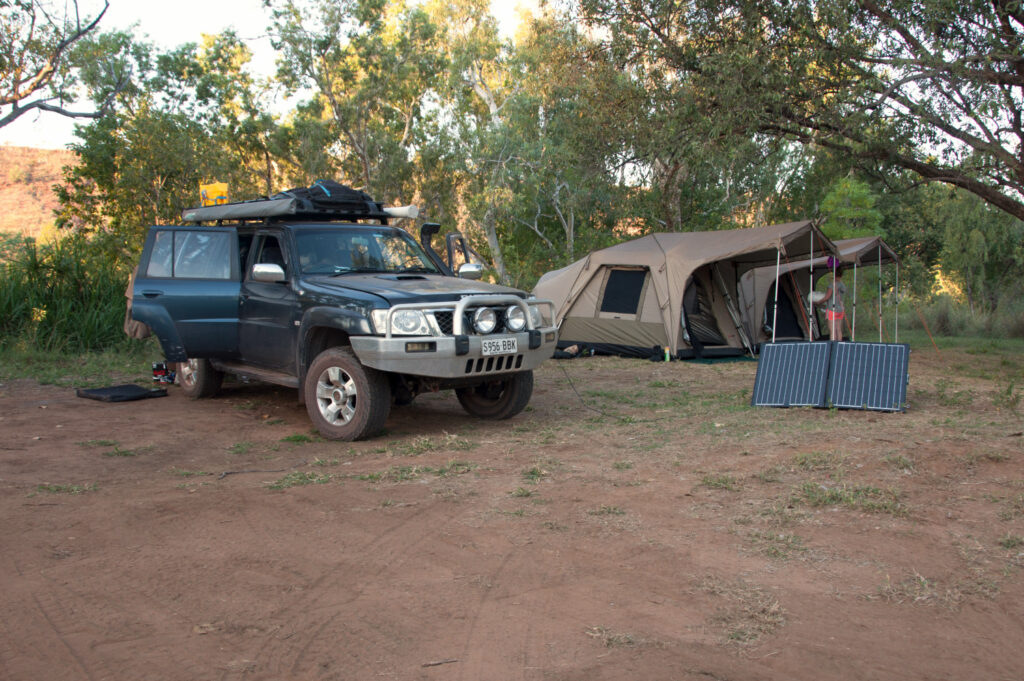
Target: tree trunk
{"type": "Point", "coordinates": [491, 231]}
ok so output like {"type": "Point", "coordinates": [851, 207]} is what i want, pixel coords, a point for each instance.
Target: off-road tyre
{"type": "Point", "coordinates": [198, 379]}
{"type": "Point", "coordinates": [344, 399]}
{"type": "Point", "coordinates": [498, 399]}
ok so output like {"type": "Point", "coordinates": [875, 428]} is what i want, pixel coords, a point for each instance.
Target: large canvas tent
{"type": "Point", "coordinates": [670, 290]}
{"type": "Point", "coordinates": [791, 318]}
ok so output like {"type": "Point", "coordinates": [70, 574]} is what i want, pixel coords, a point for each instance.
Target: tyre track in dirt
{"type": "Point", "coordinates": [313, 618]}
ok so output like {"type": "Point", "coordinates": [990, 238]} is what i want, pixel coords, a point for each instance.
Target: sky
{"type": "Point", "coordinates": [169, 24]}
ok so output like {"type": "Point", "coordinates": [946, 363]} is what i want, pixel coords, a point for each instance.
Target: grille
{"type": "Point", "coordinates": [493, 365]}
{"type": "Point", "coordinates": [445, 321]}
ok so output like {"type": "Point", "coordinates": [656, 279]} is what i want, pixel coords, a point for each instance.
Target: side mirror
{"type": "Point", "coordinates": [272, 274]}
{"type": "Point", "coordinates": [471, 270]}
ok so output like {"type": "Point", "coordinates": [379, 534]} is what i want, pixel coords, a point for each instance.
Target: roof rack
{"type": "Point", "coordinates": [287, 207]}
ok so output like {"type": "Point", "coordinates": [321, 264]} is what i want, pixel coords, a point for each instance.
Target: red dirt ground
{"type": "Point", "coordinates": [694, 539]}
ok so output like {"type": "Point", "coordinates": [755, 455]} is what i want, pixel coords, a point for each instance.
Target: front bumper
{"type": "Point", "coordinates": [453, 356]}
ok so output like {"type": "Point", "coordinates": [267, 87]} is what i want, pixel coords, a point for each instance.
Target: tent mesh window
{"type": "Point", "coordinates": [622, 291]}
{"type": "Point", "coordinates": [699, 316]}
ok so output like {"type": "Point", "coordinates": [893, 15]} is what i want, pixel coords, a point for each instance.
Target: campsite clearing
{"type": "Point", "coordinates": [657, 528]}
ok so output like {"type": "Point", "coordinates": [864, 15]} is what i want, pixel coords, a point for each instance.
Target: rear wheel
{"type": "Point", "coordinates": [498, 399]}
{"type": "Point", "coordinates": [345, 400]}
{"type": "Point", "coordinates": [198, 378]}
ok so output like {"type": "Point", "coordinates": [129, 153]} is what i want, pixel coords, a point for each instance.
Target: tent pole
{"type": "Point", "coordinates": [879, 293]}
{"type": "Point", "coordinates": [775, 308]}
{"type": "Point", "coordinates": [810, 288]}
{"type": "Point", "coordinates": [853, 327]}
{"type": "Point", "coordinates": [896, 319]}
{"type": "Point", "coordinates": [832, 327]}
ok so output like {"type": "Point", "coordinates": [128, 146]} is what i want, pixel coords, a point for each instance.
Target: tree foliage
{"type": "Point", "coordinates": [931, 87]}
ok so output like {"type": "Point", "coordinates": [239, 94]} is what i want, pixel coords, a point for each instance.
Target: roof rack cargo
{"type": "Point", "coordinates": [324, 200]}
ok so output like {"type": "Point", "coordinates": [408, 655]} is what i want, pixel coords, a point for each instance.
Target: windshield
{"type": "Point", "coordinates": [343, 250]}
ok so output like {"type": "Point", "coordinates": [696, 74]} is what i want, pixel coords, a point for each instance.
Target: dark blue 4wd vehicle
{"type": "Point", "coordinates": [319, 293]}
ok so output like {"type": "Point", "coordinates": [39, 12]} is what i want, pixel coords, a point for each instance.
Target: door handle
{"type": "Point", "coordinates": [152, 294]}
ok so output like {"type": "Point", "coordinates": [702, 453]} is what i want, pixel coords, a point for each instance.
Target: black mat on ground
{"type": "Point", "coordinates": [121, 393]}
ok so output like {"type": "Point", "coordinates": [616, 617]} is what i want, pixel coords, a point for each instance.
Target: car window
{"type": "Point", "coordinates": [338, 251]}
{"type": "Point", "coordinates": [190, 255]}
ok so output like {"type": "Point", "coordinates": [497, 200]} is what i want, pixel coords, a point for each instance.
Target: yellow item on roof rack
{"type": "Point", "coordinates": [213, 194]}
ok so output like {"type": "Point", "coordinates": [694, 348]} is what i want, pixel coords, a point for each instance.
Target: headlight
{"type": "Point", "coordinates": [536, 317]}
{"type": "Point", "coordinates": [515, 318]}
{"type": "Point", "coordinates": [484, 320]}
{"type": "Point", "coordinates": [403, 322]}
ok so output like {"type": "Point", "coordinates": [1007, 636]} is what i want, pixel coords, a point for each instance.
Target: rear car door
{"type": "Point", "coordinates": [187, 290]}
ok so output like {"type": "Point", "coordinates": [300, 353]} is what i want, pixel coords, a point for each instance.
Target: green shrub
{"type": "Point", "coordinates": [66, 296]}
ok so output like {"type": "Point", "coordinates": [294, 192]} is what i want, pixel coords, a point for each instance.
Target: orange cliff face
{"type": "Point", "coordinates": [27, 177]}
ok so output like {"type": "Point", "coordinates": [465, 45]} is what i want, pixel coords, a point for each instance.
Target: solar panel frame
{"type": "Point", "coordinates": [871, 376]}
{"type": "Point", "coordinates": [792, 375]}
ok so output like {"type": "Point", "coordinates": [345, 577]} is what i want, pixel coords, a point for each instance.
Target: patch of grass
{"type": "Point", "coordinates": [117, 451]}
{"type": "Point", "coordinates": [899, 462]}
{"type": "Point", "coordinates": [622, 465]}
{"type": "Point", "coordinates": [720, 481]}
{"type": "Point", "coordinates": [770, 475]}
{"type": "Point", "coordinates": [859, 497]}
{"type": "Point", "coordinates": [453, 468]}
{"type": "Point", "coordinates": [181, 473]}
{"type": "Point", "coordinates": [407, 473]}
{"type": "Point", "coordinates": [298, 438]}
{"type": "Point", "coordinates": [749, 613]}
{"type": "Point", "coordinates": [50, 488]}
{"type": "Point", "coordinates": [98, 443]}
{"type": "Point", "coordinates": [949, 394]}
{"type": "Point", "coordinates": [611, 639]}
{"type": "Point", "coordinates": [423, 444]}
{"type": "Point", "coordinates": [778, 545]}
{"type": "Point", "coordinates": [322, 463]}
{"type": "Point", "coordinates": [915, 588]}
{"type": "Point", "coordinates": [1011, 541]}
{"type": "Point", "coordinates": [241, 448]}
{"type": "Point", "coordinates": [816, 461]}
{"type": "Point", "coordinates": [607, 510]}
{"type": "Point", "coordinates": [553, 526]}
{"type": "Point", "coordinates": [299, 479]}
{"type": "Point", "coordinates": [534, 475]}
{"type": "Point", "coordinates": [1014, 509]}
{"type": "Point", "coordinates": [521, 492]}
{"type": "Point", "coordinates": [124, 364]}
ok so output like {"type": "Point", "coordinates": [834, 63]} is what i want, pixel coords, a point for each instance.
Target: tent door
{"type": "Point", "coordinates": [787, 324]}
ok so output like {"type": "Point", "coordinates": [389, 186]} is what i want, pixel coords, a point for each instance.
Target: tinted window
{"type": "Point", "coordinates": [202, 255]}
{"type": "Point", "coordinates": [622, 291]}
{"type": "Point", "coordinates": [160, 258]}
{"type": "Point", "coordinates": [337, 251]}
{"type": "Point", "coordinates": [190, 255]}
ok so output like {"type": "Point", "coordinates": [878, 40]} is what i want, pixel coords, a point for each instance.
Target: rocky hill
{"type": "Point", "coordinates": [27, 177]}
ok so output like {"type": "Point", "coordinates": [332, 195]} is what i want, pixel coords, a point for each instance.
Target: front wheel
{"type": "Point", "coordinates": [499, 399]}
{"type": "Point", "coordinates": [345, 400]}
{"type": "Point", "coordinates": [199, 379]}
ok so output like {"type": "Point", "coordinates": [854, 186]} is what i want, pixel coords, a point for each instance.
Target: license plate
{"type": "Point", "coordinates": [499, 346]}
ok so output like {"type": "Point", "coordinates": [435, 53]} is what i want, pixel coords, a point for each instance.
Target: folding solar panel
{"type": "Point", "coordinates": [868, 376]}
{"type": "Point", "coordinates": [792, 375]}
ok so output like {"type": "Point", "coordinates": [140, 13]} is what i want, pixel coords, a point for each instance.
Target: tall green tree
{"type": "Point", "coordinates": [369, 65]}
